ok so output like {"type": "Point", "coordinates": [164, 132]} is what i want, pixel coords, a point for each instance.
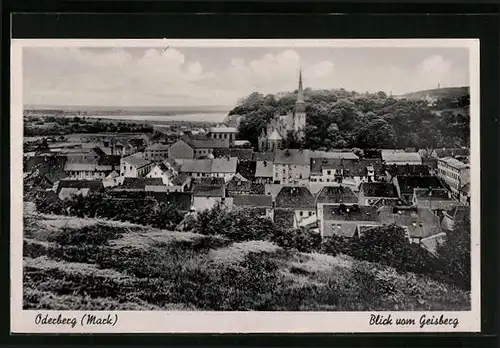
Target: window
{"type": "Point", "coordinates": [310, 213]}
{"type": "Point", "coordinates": [329, 172]}
{"type": "Point", "coordinates": [301, 213]}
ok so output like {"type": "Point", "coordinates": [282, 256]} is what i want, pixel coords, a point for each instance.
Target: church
{"type": "Point", "coordinates": [293, 124]}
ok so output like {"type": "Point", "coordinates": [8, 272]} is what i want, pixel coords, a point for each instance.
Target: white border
{"type": "Point", "coordinates": [235, 322]}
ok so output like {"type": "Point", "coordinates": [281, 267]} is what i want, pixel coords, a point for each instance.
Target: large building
{"type": "Point", "coordinates": [281, 127]}
{"type": "Point", "coordinates": [455, 173]}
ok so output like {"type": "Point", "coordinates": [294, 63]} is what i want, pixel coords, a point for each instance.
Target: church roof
{"type": "Point", "coordinates": [275, 135]}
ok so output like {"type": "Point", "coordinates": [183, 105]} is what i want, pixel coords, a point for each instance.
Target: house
{"type": "Point", "coordinates": [406, 169]}
{"type": "Point", "coordinates": [164, 171]}
{"type": "Point", "coordinates": [238, 185]}
{"type": "Point", "coordinates": [113, 179]}
{"type": "Point", "coordinates": [69, 188]}
{"type": "Point", "coordinates": [226, 133]}
{"type": "Point", "coordinates": [134, 166]}
{"type": "Point", "coordinates": [347, 221]}
{"type": "Point", "coordinates": [179, 183]}
{"type": "Point", "coordinates": [450, 152]}
{"type": "Point", "coordinates": [405, 185]}
{"type": "Point", "coordinates": [255, 202]}
{"type": "Point", "coordinates": [437, 200]}
{"type": "Point", "coordinates": [464, 194]}
{"type": "Point", "coordinates": [223, 168]}
{"type": "Point", "coordinates": [207, 193]}
{"type": "Point", "coordinates": [454, 173]}
{"type": "Point", "coordinates": [180, 149]}
{"type": "Point", "coordinates": [205, 147]}
{"type": "Point", "coordinates": [87, 171]}
{"type": "Point", "coordinates": [297, 199]}
{"type": "Point", "coordinates": [452, 216]}
{"type": "Point", "coordinates": [334, 195]}
{"type": "Point", "coordinates": [196, 168]}
{"type": "Point", "coordinates": [156, 152]}
{"type": "Point", "coordinates": [377, 193]}
{"type": "Point", "coordinates": [396, 157]}
{"type": "Point", "coordinates": [419, 223]}
{"type": "Point", "coordinates": [291, 166]}
{"type": "Point", "coordinates": [348, 171]}
{"type": "Point", "coordinates": [264, 172]}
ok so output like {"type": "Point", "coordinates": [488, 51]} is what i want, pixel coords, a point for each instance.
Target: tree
{"type": "Point", "coordinates": [377, 134]}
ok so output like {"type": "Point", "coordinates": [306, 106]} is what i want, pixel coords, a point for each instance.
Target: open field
{"type": "Point", "coordinates": [93, 264]}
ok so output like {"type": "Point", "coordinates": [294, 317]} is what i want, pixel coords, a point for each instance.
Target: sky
{"type": "Point", "coordinates": [198, 76]}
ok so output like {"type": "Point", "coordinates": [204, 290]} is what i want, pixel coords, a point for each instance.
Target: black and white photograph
{"type": "Point", "coordinates": [245, 185]}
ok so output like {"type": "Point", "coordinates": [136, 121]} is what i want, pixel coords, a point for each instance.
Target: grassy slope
{"type": "Point", "coordinates": [141, 268]}
{"type": "Point", "coordinates": [449, 92]}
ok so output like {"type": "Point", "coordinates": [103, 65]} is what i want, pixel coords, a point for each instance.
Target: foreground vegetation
{"type": "Point", "coordinates": [91, 263]}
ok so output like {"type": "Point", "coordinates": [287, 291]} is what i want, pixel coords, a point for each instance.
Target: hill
{"type": "Point", "coordinates": [438, 93]}
{"type": "Point", "coordinates": [93, 264]}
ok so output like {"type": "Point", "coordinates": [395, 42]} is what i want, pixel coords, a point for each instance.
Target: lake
{"type": "Point", "coordinates": [217, 117]}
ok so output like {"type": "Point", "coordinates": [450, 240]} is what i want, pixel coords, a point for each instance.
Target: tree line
{"type": "Point", "coordinates": [343, 119]}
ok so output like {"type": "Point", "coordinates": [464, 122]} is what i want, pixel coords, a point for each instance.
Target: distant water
{"type": "Point", "coordinates": [197, 117]}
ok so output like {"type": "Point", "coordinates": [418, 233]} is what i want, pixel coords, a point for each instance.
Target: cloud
{"type": "Point", "coordinates": [154, 77]}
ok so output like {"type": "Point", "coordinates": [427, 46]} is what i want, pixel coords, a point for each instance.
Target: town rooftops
{"type": "Point", "coordinates": [223, 130]}
{"type": "Point", "coordinates": [333, 155]}
{"type": "Point", "coordinates": [263, 156]}
{"type": "Point", "coordinates": [224, 165]}
{"type": "Point", "coordinates": [68, 167]}
{"type": "Point", "coordinates": [241, 154]}
{"type": "Point", "coordinates": [453, 162]}
{"type": "Point", "coordinates": [196, 166]}
{"type": "Point", "coordinates": [180, 179]}
{"type": "Point", "coordinates": [291, 156]}
{"type": "Point", "coordinates": [253, 201]}
{"type": "Point", "coordinates": [336, 195]}
{"type": "Point", "coordinates": [295, 197]}
{"type": "Point", "coordinates": [200, 190]}
{"type": "Point", "coordinates": [458, 213]}
{"type": "Point", "coordinates": [410, 182]}
{"type": "Point", "coordinates": [349, 213]}
{"type": "Point", "coordinates": [378, 189]}
{"type": "Point", "coordinates": [208, 143]}
{"type": "Point", "coordinates": [136, 160]}
{"type": "Point", "coordinates": [434, 199]}
{"type": "Point", "coordinates": [401, 157]}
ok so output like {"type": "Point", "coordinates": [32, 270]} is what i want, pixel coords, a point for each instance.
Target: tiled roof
{"type": "Point", "coordinates": [295, 197]}
{"type": "Point", "coordinates": [208, 191]}
{"type": "Point", "coordinates": [410, 182]}
{"type": "Point", "coordinates": [453, 162]}
{"type": "Point", "coordinates": [157, 147]}
{"type": "Point", "coordinates": [86, 167]}
{"type": "Point", "coordinates": [209, 181]}
{"type": "Point", "coordinates": [407, 169]}
{"type": "Point", "coordinates": [196, 165]}
{"type": "Point", "coordinates": [419, 222]}
{"type": "Point", "coordinates": [349, 213]}
{"type": "Point", "coordinates": [273, 189]}
{"type": "Point", "coordinates": [333, 155]}
{"type": "Point", "coordinates": [241, 154]}
{"type": "Point", "coordinates": [136, 160]}
{"type": "Point", "coordinates": [140, 183]}
{"type": "Point", "coordinates": [435, 194]}
{"type": "Point", "coordinates": [378, 189]}
{"type": "Point", "coordinates": [264, 169]}
{"type": "Point", "coordinates": [292, 156]}
{"type": "Point", "coordinates": [223, 152]}
{"type": "Point", "coordinates": [336, 194]}
{"type": "Point", "coordinates": [253, 201]}
{"type": "Point", "coordinates": [263, 156]}
{"type": "Point", "coordinates": [224, 165]}
{"type": "Point", "coordinates": [208, 143]}
{"type": "Point", "coordinates": [403, 157]}
{"type": "Point", "coordinates": [93, 185]}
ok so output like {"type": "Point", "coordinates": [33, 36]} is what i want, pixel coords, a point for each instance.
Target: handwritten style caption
{"type": "Point", "coordinates": [84, 320]}
{"type": "Point", "coordinates": [423, 321]}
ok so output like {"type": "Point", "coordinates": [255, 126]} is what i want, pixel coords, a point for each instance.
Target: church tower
{"type": "Point", "coordinates": [299, 115]}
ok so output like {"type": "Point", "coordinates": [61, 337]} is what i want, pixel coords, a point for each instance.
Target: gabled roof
{"type": "Point", "coordinates": [378, 189]}
{"type": "Point", "coordinates": [295, 197]}
{"type": "Point", "coordinates": [410, 182]}
{"type": "Point", "coordinates": [247, 169]}
{"type": "Point", "coordinates": [465, 189]}
{"type": "Point", "coordinates": [180, 179]}
{"type": "Point", "coordinates": [208, 143]}
{"type": "Point", "coordinates": [113, 174]}
{"type": "Point", "coordinates": [158, 147]}
{"type": "Point", "coordinates": [349, 213]}
{"type": "Point", "coordinates": [136, 160]}
{"type": "Point", "coordinates": [224, 165]}
{"type": "Point", "coordinates": [253, 201]}
{"type": "Point", "coordinates": [336, 194]}
{"type": "Point", "coordinates": [264, 169]}
{"type": "Point", "coordinates": [292, 156]}
{"type": "Point", "coordinates": [275, 135]}
{"type": "Point", "coordinates": [453, 162]}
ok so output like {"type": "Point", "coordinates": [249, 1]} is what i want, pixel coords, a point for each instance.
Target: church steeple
{"type": "Point", "coordinates": [300, 91]}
